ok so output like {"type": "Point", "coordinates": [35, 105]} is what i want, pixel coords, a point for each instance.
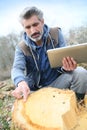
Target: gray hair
{"type": "Point", "coordinates": [29, 12]}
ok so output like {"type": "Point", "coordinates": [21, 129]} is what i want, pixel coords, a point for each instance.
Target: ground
{"type": "Point", "coordinates": [6, 102]}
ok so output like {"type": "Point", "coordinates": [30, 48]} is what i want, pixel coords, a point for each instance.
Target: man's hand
{"type": "Point", "coordinates": [69, 64]}
{"type": "Point", "coordinates": [21, 91]}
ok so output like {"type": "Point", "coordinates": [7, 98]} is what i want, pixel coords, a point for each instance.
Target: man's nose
{"type": "Point", "coordinates": [32, 30]}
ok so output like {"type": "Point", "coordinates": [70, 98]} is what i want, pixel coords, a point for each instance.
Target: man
{"type": "Point", "coordinates": [30, 73]}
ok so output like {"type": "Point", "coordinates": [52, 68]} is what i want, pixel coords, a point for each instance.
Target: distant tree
{"type": "Point", "coordinates": [7, 48]}
{"type": "Point", "coordinates": [77, 35]}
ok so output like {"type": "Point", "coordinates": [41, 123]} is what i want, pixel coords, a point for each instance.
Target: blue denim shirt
{"type": "Point", "coordinates": [24, 67]}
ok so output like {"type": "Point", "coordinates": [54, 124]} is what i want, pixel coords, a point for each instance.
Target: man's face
{"type": "Point", "coordinates": [33, 27]}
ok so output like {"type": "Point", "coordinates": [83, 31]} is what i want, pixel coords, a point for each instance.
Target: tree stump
{"type": "Point", "coordinates": [46, 109]}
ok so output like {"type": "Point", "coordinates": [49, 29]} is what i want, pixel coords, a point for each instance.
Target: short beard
{"type": "Point", "coordinates": [36, 39]}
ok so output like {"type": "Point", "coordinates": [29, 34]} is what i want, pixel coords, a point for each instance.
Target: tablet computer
{"type": "Point", "coordinates": [78, 52]}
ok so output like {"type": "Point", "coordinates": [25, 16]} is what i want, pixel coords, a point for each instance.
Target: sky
{"type": "Point", "coordinates": [66, 14]}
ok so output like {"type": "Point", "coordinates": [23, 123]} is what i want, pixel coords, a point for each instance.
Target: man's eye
{"type": "Point", "coordinates": [27, 27]}
{"type": "Point", "coordinates": [36, 24]}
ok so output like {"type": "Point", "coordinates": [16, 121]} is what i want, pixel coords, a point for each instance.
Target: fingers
{"type": "Point", "coordinates": [16, 94]}
{"type": "Point", "coordinates": [74, 62]}
{"type": "Point", "coordinates": [69, 63]}
{"type": "Point", "coordinates": [21, 92]}
{"type": "Point", "coordinates": [25, 93]}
